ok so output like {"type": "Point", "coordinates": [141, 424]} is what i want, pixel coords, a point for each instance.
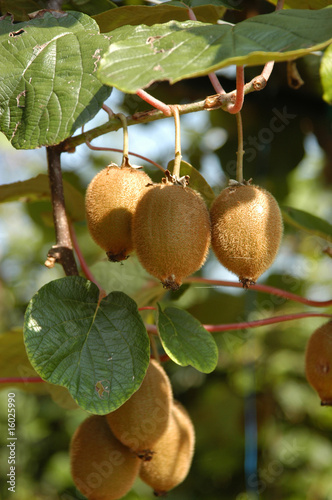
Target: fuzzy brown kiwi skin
{"type": "Point", "coordinates": [110, 202]}
{"type": "Point", "coordinates": [318, 362]}
{"type": "Point", "coordinates": [102, 468]}
{"type": "Point", "coordinates": [246, 230]}
{"type": "Point", "coordinates": [171, 233]}
{"type": "Point", "coordinates": [173, 454]}
{"type": "Point", "coordinates": [143, 418]}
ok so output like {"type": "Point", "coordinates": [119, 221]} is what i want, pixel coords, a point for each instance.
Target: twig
{"type": "Point", "coordinates": [125, 158]}
{"type": "Point", "coordinates": [177, 157]}
{"type": "Point", "coordinates": [210, 103]}
{"type": "Point", "coordinates": [240, 152]}
{"type": "Point", "coordinates": [294, 79]}
{"type": "Point", "coordinates": [62, 251]}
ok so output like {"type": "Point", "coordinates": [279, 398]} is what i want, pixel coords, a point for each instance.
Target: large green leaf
{"type": "Point", "coordinates": [99, 351]}
{"type": "Point", "coordinates": [185, 340]}
{"type": "Point", "coordinates": [326, 74]}
{"type": "Point", "coordinates": [307, 222]}
{"type": "Point", "coordinates": [38, 189]}
{"type": "Point", "coordinates": [149, 15]}
{"type": "Point", "coordinates": [48, 84]}
{"type": "Point", "coordinates": [141, 55]}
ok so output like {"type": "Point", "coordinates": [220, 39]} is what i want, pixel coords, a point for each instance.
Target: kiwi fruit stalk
{"type": "Point", "coordinates": [171, 232]}
{"type": "Point", "coordinates": [173, 454]}
{"type": "Point", "coordinates": [246, 229]}
{"type": "Point", "coordinates": [102, 468]}
{"type": "Point", "coordinates": [143, 418]}
{"type": "Point", "coordinates": [318, 362]}
{"type": "Point", "coordinates": [110, 202]}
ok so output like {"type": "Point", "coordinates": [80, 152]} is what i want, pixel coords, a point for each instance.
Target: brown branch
{"type": "Point", "coordinates": [210, 103]}
{"type": "Point", "coordinates": [62, 251]}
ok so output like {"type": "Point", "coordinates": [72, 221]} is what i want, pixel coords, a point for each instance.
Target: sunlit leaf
{"type": "Point", "coordinates": [141, 55]}
{"type": "Point", "coordinates": [98, 350]}
{"type": "Point", "coordinates": [48, 84]}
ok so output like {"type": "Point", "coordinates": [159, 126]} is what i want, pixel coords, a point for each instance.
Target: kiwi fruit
{"type": "Point", "coordinates": [246, 230]}
{"type": "Point", "coordinates": [143, 418]}
{"type": "Point", "coordinates": [171, 232]}
{"type": "Point", "coordinates": [318, 362]}
{"type": "Point", "coordinates": [110, 202]}
{"type": "Point", "coordinates": [173, 454]}
{"type": "Point", "coordinates": [102, 468]}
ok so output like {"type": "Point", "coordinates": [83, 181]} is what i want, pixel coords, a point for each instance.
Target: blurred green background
{"type": "Point", "coordinates": [258, 395]}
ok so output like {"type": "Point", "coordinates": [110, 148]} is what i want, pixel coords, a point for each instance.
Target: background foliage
{"type": "Point", "coordinates": [258, 388]}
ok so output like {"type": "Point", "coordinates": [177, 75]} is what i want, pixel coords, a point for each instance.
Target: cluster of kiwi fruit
{"type": "Point", "coordinates": [150, 436]}
{"type": "Point", "coordinates": [169, 225]}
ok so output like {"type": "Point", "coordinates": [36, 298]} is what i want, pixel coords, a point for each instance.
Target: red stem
{"type": "Point", "coordinates": [252, 324]}
{"type": "Point", "coordinates": [239, 91]}
{"type": "Point", "coordinates": [108, 110]}
{"type": "Point", "coordinates": [98, 148]}
{"type": "Point", "coordinates": [216, 84]}
{"type": "Point", "coordinates": [154, 102]}
{"type": "Point", "coordinates": [262, 322]}
{"type": "Point", "coordinates": [84, 266]}
{"type": "Point", "coordinates": [212, 76]}
{"type": "Point", "coordinates": [15, 380]}
{"type": "Point", "coordinates": [263, 288]}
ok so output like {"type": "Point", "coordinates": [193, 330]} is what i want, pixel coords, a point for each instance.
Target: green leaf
{"type": "Point", "coordinates": [196, 181]}
{"type": "Point", "coordinates": [38, 189]}
{"type": "Point", "coordinates": [326, 74]}
{"type": "Point", "coordinates": [149, 15]}
{"type": "Point", "coordinates": [139, 56]}
{"type": "Point", "coordinates": [99, 351]}
{"type": "Point", "coordinates": [90, 7]}
{"type": "Point", "coordinates": [307, 222]}
{"type": "Point", "coordinates": [48, 83]}
{"type": "Point", "coordinates": [185, 340]}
